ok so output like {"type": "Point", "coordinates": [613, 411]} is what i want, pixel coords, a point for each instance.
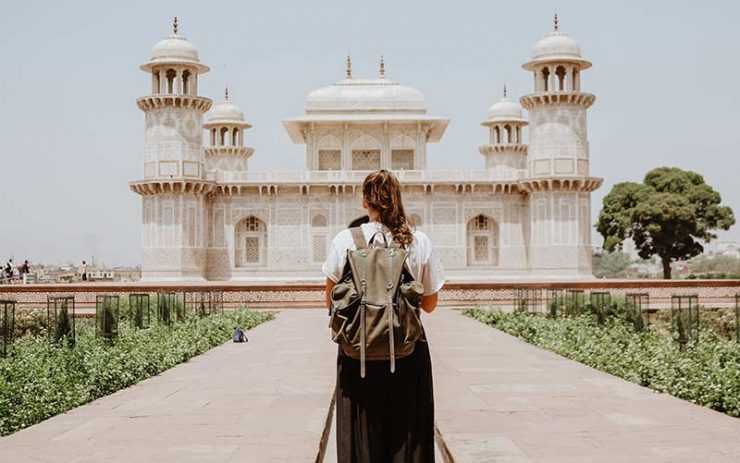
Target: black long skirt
{"type": "Point", "coordinates": [385, 417]}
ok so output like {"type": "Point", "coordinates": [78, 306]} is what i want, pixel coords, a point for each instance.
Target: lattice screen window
{"type": "Point", "coordinates": [402, 159]}
{"type": "Point", "coordinates": [365, 159]}
{"type": "Point", "coordinates": [480, 248]}
{"type": "Point", "coordinates": [252, 250]}
{"type": "Point", "coordinates": [330, 159]}
{"type": "Point", "coordinates": [319, 248]}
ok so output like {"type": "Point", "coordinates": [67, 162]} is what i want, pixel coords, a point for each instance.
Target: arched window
{"type": "Point", "coordinates": [366, 153]}
{"type": "Point", "coordinates": [560, 72]}
{"type": "Point", "coordinates": [170, 76]}
{"type": "Point", "coordinates": [250, 242]}
{"type": "Point", "coordinates": [415, 220]}
{"type": "Point", "coordinates": [507, 129]}
{"type": "Point", "coordinates": [576, 80]}
{"type": "Point", "coordinates": [496, 135]}
{"type": "Point", "coordinates": [235, 137]}
{"type": "Point", "coordinates": [186, 82]}
{"type": "Point", "coordinates": [222, 136]}
{"type": "Point", "coordinates": [546, 79]}
{"type": "Point", "coordinates": [482, 241]}
{"type": "Point", "coordinates": [319, 221]}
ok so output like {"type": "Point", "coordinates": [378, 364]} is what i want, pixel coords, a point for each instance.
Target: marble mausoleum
{"type": "Point", "coordinates": [207, 216]}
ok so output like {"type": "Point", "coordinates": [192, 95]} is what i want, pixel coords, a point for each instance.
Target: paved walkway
{"type": "Point", "coordinates": [263, 401]}
{"type": "Point", "coordinates": [498, 399]}
{"type": "Point", "coordinates": [501, 399]}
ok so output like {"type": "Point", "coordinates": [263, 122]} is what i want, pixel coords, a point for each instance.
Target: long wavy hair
{"type": "Point", "coordinates": [382, 192]}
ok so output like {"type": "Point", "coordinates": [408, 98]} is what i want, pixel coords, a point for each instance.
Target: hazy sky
{"type": "Point", "coordinates": [666, 76]}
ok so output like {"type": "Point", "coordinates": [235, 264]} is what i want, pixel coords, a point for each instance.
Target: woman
{"type": "Point", "coordinates": [386, 417]}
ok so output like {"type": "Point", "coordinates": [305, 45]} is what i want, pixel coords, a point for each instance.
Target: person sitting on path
{"type": "Point", "coordinates": [386, 416]}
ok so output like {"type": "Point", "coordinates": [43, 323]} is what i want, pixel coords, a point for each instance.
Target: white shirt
{"type": "Point", "coordinates": [422, 261]}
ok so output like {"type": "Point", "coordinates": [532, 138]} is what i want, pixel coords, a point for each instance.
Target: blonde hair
{"type": "Point", "coordinates": [382, 192]}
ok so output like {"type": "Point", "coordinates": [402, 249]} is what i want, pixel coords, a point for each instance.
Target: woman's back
{"type": "Point", "coordinates": [421, 261]}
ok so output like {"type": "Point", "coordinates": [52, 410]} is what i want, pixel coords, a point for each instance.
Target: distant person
{"type": "Point", "coordinates": [25, 270]}
{"type": "Point", "coordinates": [84, 271]}
{"type": "Point", "coordinates": [9, 268]}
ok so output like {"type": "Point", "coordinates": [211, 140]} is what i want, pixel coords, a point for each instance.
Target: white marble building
{"type": "Point", "coordinates": [526, 213]}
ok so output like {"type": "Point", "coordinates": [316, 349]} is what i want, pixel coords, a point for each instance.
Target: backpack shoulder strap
{"type": "Point", "coordinates": [359, 237]}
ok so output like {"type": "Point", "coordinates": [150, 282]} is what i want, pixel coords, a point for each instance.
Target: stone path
{"type": "Point", "coordinates": [501, 399]}
{"type": "Point", "coordinates": [498, 399]}
{"type": "Point", "coordinates": [263, 401]}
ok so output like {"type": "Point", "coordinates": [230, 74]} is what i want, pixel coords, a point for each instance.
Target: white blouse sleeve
{"type": "Point", "coordinates": [335, 260]}
{"type": "Point", "coordinates": [432, 274]}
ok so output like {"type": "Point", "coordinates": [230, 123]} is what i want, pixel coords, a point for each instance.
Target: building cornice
{"type": "Point", "coordinates": [585, 100]}
{"type": "Point", "coordinates": [179, 186]}
{"type": "Point", "coordinates": [174, 101]}
{"type": "Point", "coordinates": [491, 149]}
{"type": "Point", "coordinates": [585, 184]}
{"type": "Point", "coordinates": [239, 151]}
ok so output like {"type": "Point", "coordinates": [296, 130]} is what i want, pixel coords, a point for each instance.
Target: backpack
{"type": "Point", "coordinates": [239, 335]}
{"type": "Point", "coordinates": [375, 305]}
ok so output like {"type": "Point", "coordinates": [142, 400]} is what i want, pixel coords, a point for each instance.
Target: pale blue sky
{"type": "Point", "coordinates": [666, 77]}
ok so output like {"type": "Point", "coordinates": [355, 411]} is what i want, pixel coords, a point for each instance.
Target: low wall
{"type": "Point", "coordinates": [714, 293]}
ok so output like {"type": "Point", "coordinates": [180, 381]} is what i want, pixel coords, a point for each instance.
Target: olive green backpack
{"type": "Point", "coordinates": [375, 305]}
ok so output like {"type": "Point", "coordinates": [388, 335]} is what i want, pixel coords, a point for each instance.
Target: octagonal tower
{"type": "Point", "coordinates": [506, 152]}
{"type": "Point", "coordinates": [174, 186]}
{"type": "Point", "coordinates": [558, 161]}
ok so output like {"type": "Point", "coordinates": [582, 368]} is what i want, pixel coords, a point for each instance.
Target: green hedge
{"type": "Point", "coordinates": [707, 372]}
{"type": "Point", "coordinates": [39, 380]}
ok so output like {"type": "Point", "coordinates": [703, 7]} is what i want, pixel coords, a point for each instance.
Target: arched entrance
{"type": "Point", "coordinates": [250, 242]}
{"type": "Point", "coordinates": [482, 240]}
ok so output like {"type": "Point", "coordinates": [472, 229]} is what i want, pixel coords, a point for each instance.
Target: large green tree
{"type": "Point", "coordinates": [664, 215]}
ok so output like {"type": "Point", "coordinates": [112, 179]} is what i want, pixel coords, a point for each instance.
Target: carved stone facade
{"type": "Point", "coordinates": [206, 216]}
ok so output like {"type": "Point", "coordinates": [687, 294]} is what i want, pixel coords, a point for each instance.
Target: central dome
{"type": "Point", "coordinates": [365, 95]}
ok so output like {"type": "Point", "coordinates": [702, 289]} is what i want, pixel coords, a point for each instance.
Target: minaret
{"type": "Point", "coordinates": [174, 186]}
{"type": "Point", "coordinates": [226, 151]}
{"type": "Point", "coordinates": [505, 153]}
{"type": "Point", "coordinates": [558, 160]}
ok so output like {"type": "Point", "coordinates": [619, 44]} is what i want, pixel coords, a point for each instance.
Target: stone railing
{"type": "Point", "coordinates": [357, 176]}
{"type": "Point", "coordinates": [714, 293]}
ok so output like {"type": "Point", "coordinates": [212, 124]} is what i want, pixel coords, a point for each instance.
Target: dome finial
{"type": "Point", "coordinates": [349, 67]}
{"type": "Point", "coordinates": [226, 92]}
{"type": "Point", "coordinates": [504, 91]}
{"type": "Point", "coordinates": [174, 26]}
{"type": "Point", "coordinates": [381, 71]}
{"type": "Point", "coordinates": [556, 22]}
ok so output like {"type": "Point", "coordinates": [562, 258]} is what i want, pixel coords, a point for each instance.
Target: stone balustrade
{"type": "Point", "coordinates": [711, 293]}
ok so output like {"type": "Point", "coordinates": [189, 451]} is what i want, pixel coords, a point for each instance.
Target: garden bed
{"type": "Point", "coordinates": [705, 372]}
{"type": "Point", "coordinates": [40, 379]}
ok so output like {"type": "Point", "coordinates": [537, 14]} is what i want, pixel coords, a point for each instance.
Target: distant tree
{"type": "Point", "coordinates": [611, 265]}
{"type": "Point", "coordinates": [665, 215]}
{"type": "Point", "coordinates": [715, 264]}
